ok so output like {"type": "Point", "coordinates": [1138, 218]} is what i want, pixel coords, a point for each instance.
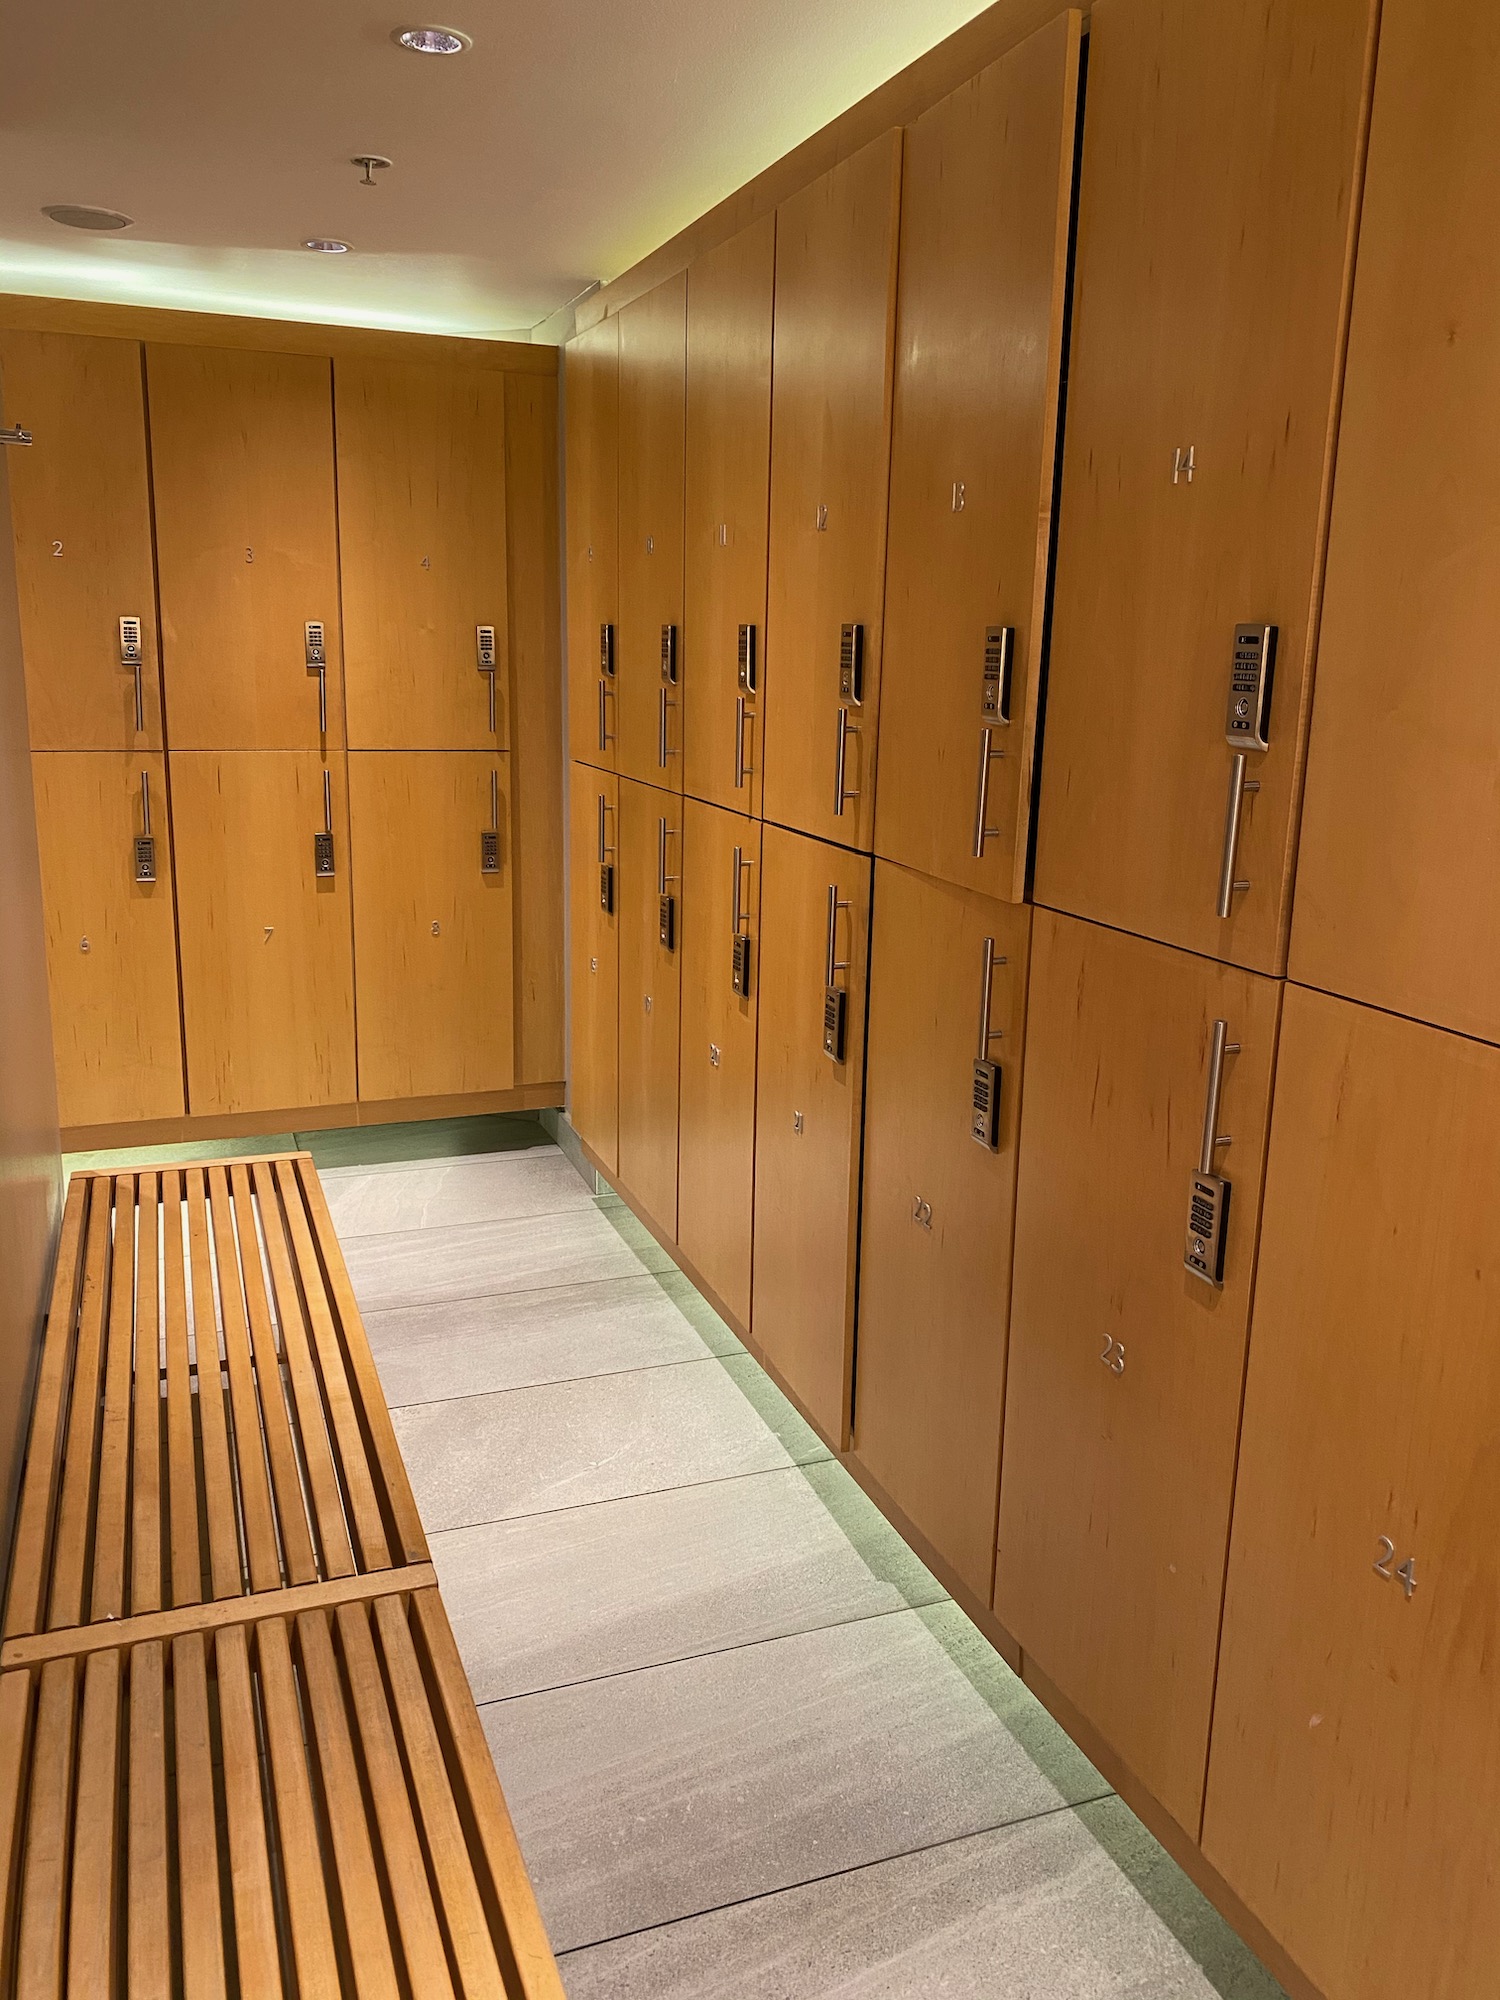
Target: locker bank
{"type": "Point", "coordinates": [749, 1039]}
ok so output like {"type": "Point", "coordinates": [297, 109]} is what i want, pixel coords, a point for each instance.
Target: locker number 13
{"type": "Point", "coordinates": [1387, 1567]}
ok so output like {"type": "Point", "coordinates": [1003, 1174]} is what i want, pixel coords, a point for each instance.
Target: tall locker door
{"type": "Point", "coordinates": [247, 548]}
{"type": "Point", "coordinates": [809, 1100]}
{"type": "Point", "coordinates": [433, 870]}
{"type": "Point", "coordinates": [111, 937]}
{"type": "Point", "coordinates": [421, 459]}
{"type": "Point", "coordinates": [1356, 1749]}
{"type": "Point", "coordinates": [80, 502]}
{"type": "Point", "coordinates": [1122, 1402]}
{"type": "Point", "coordinates": [830, 469]}
{"type": "Point", "coordinates": [947, 994]}
{"type": "Point", "coordinates": [594, 962]}
{"type": "Point", "coordinates": [986, 203]}
{"type": "Point", "coordinates": [650, 894]}
{"type": "Point", "coordinates": [728, 499]}
{"type": "Point", "coordinates": [720, 971]}
{"type": "Point", "coordinates": [591, 388]}
{"type": "Point", "coordinates": [649, 663]}
{"type": "Point", "coordinates": [1395, 898]}
{"type": "Point", "coordinates": [267, 952]}
{"type": "Point", "coordinates": [1219, 203]}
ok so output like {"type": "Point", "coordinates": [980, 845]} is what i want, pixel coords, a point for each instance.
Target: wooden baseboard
{"type": "Point", "coordinates": [309, 1118]}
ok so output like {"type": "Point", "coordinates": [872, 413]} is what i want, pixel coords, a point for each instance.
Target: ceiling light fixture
{"type": "Point", "coordinates": [433, 41]}
{"type": "Point", "coordinates": [329, 244]}
{"type": "Point", "coordinates": [75, 215]}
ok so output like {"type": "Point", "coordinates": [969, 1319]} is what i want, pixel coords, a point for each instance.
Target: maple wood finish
{"type": "Point", "coordinates": [591, 386]}
{"type": "Point", "coordinates": [265, 943]}
{"type": "Point", "coordinates": [1220, 182]}
{"type": "Point", "coordinates": [594, 962]}
{"type": "Point", "coordinates": [730, 295]}
{"type": "Point", "coordinates": [808, 1110]}
{"type": "Point", "coordinates": [986, 202]}
{"type": "Point", "coordinates": [1356, 1746]}
{"type": "Point", "coordinates": [1119, 1468]}
{"type": "Point", "coordinates": [111, 940]}
{"type": "Point", "coordinates": [650, 999]}
{"type": "Point", "coordinates": [938, 1209]}
{"type": "Point", "coordinates": [830, 462]}
{"type": "Point", "coordinates": [247, 545]}
{"type": "Point", "coordinates": [716, 1144]}
{"type": "Point", "coordinates": [82, 521]}
{"type": "Point", "coordinates": [652, 444]}
{"type": "Point", "coordinates": [421, 463]}
{"type": "Point", "coordinates": [433, 933]}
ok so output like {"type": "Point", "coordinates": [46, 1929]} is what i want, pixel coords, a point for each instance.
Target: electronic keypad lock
{"type": "Point", "coordinates": [1248, 720]}
{"type": "Point", "coordinates": [489, 836]}
{"type": "Point", "coordinates": [145, 843]}
{"type": "Point", "coordinates": [1209, 1192]}
{"type": "Point", "coordinates": [999, 653]}
{"type": "Point", "coordinates": [132, 657]}
{"type": "Point", "coordinates": [669, 655]}
{"type": "Point", "coordinates": [852, 664]}
{"type": "Point", "coordinates": [739, 974]}
{"type": "Point", "coordinates": [984, 1122]}
{"type": "Point", "coordinates": [607, 887]}
{"type": "Point", "coordinates": [747, 659]}
{"type": "Point", "coordinates": [607, 650]}
{"type": "Point", "coordinates": [835, 1021]}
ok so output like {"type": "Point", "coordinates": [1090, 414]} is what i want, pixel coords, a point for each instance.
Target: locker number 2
{"type": "Point", "coordinates": [57, 548]}
{"type": "Point", "coordinates": [1387, 1567]}
{"type": "Point", "coordinates": [1112, 1354]}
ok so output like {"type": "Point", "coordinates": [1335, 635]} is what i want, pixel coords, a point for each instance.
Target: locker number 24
{"type": "Point", "coordinates": [1387, 1567]}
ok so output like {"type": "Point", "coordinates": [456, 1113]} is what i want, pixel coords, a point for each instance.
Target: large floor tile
{"type": "Point", "coordinates": [1039, 1911]}
{"type": "Point", "coordinates": [373, 1201]}
{"type": "Point", "coordinates": [657, 1795]}
{"type": "Point", "coordinates": [569, 1444]}
{"type": "Point", "coordinates": [423, 1266]}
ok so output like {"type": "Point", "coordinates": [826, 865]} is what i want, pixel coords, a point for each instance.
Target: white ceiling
{"type": "Point", "coordinates": [573, 137]}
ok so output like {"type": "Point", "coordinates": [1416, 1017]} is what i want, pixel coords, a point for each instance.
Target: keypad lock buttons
{"type": "Point", "coordinates": [999, 654]}
{"type": "Point", "coordinates": [984, 1124]}
{"type": "Point", "coordinates": [1248, 719]}
{"type": "Point", "coordinates": [852, 664]}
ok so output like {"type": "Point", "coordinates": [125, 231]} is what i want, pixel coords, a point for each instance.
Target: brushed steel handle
{"type": "Point", "coordinates": [661, 857]}
{"type": "Point", "coordinates": [987, 755]}
{"type": "Point", "coordinates": [327, 803]}
{"type": "Point", "coordinates": [1221, 1047]}
{"type": "Point", "coordinates": [664, 702]}
{"type": "Point", "coordinates": [146, 804]}
{"type": "Point", "coordinates": [491, 678]}
{"type": "Point", "coordinates": [739, 863]}
{"type": "Point", "coordinates": [739, 743]}
{"type": "Point", "coordinates": [987, 1034]}
{"type": "Point", "coordinates": [494, 801]}
{"type": "Point", "coordinates": [841, 792]}
{"type": "Point", "coordinates": [1239, 785]}
{"type": "Point", "coordinates": [605, 850]}
{"type": "Point", "coordinates": [833, 918]}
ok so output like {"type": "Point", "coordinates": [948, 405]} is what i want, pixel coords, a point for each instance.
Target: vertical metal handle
{"type": "Point", "coordinates": [603, 714]}
{"type": "Point", "coordinates": [661, 857]}
{"type": "Point", "coordinates": [494, 801]}
{"type": "Point", "coordinates": [492, 700]}
{"type": "Point", "coordinates": [987, 755]}
{"type": "Point", "coordinates": [140, 701]}
{"type": "Point", "coordinates": [985, 1037]}
{"type": "Point", "coordinates": [602, 849]}
{"type": "Point", "coordinates": [146, 804]}
{"type": "Point", "coordinates": [1239, 785]}
{"type": "Point", "coordinates": [738, 865]}
{"type": "Point", "coordinates": [327, 802]}
{"type": "Point", "coordinates": [841, 792]}
{"type": "Point", "coordinates": [739, 743]}
{"type": "Point", "coordinates": [833, 917]}
{"type": "Point", "coordinates": [664, 702]}
{"type": "Point", "coordinates": [323, 701]}
{"type": "Point", "coordinates": [1221, 1047]}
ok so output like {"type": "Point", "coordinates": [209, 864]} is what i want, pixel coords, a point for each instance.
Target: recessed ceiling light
{"type": "Point", "coordinates": [80, 216]}
{"type": "Point", "coordinates": [433, 41]}
{"type": "Point", "coordinates": [330, 244]}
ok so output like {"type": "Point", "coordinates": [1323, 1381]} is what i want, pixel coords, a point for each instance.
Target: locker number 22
{"type": "Point", "coordinates": [1387, 1567]}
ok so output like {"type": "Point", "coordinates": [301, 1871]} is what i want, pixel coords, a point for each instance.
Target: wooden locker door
{"type": "Point", "coordinates": [434, 958]}
{"type": "Point", "coordinates": [1356, 1748]}
{"type": "Point", "coordinates": [1395, 899]}
{"type": "Point", "coordinates": [1219, 203]}
{"type": "Point", "coordinates": [266, 945]}
{"type": "Point", "coordinates": [650, 998]}
{"type": "Point", "coordinates": [834, 341]}
{"type": "Point", "coordinates": [939, 1205]}
{"type": "Point", "coordinates": [730, 289]}
{"type": "Point", "coordinates": [81, 507]}
{"type": "Point", "coordinates": [111, 938]}
{"type": "Point", "coordinates": [1122, 1402]}
{"type": "Point", "coordinates": [246, 546]}
{"type": "Point", "coordinates": [591, 382]}
{"type": "Point", "coordinates": [653, 397]}
{"type": "Point", "coordinates": [421, 460]}
{"type": "Point", "coordinates": [808, 1108]}
{"type": "Point", "coordinates": [594, 962]}
{"type": "Point", "coordinates": [986, 202]}
{"type": "Point", "coordinates": [716, 1144]}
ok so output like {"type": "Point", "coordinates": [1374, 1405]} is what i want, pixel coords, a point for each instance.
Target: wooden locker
{"type": "Point", "coordinates": [433, 864]}
{"type": "Point", "coordinates": [834, 340]}
{"type": "Point", "coordinates": [1218, 212]}
{"type": "Point", "coordinates": [947, 989]}
{"type": "Point", "coordinates": [1395, 901]}
{"type": "Point", "coordinates": [986, 203]}
{"type": "Point", "coordinates": [730, 289]}
{"type": "Point", "coordinates": [111, 936]}
{"type": "Point", "coordinates": [421, 462]}
{"type": "Point", "coordinates": [652, 433]}
{"type": "Point", "coordinates": [246, 547]}
{"type": "Point", "coordinates": [720, 981]}
{"type": "Point", "coordinates": [1122, 1401]}
{"type": "Point", "coordinates": [81, 507]}
{"type": "Point", "coordinates": [1356, 1746]}
{"type": "Point", "coordinates": [594, 962]}
{"type": "Point", "coordinates": [815, 931]}
{"type": "Point", "coordinates": [591, 384]}
{"type": "Point", "coordinates": [266, 946]}
{"type": "Point", "coordinates": [650, 893]}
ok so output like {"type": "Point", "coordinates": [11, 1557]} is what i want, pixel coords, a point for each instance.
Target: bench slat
{"type": "Point", "coordinates": [145, 1470]}
{"type": "Point", "coordinates": [249, 1859]}
{"type": "Point", "coordinates": [91, 1929]}
{"type": "Point", "coordinates": [108, 1595]}
{"type": "Point", "coordinates": [75, 1512]}
{"type": "Point", "coordinates": [302, 1862]}
{"type": "Point", "coordinates": [182, 1452]}
{"type": "Point", "coordinates": [45, 1871]}
{"type": "Point", "coordinates": [236, 1445]}
{"type": "Point", "coordinates": [197, 1832]}
{"type": "Point", "coordinates": [148, 1934]}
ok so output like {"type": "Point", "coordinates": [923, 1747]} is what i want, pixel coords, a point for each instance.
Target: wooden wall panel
{"type": "Point", "coordinates": [591, 390]}
{"type": "Point", "coordinates": [594, 961]}
{"type": "Point", "coordinates": [653, 392]}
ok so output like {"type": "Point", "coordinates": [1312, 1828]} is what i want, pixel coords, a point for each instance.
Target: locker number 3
{"type": "Point", "coordinates": [1112, 1354]}
{"type": "Point", "coordinates": [1387, 1567]}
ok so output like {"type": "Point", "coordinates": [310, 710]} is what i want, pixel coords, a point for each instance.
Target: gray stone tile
{"type": "Point", "coordinates": [1038, 1911]}
{"type": "Point", "coordinates": [569, 1444]}
{"type": "Point", "coordinates": [657, 1795]}
{"type": "Point", "coordinates": [511, 1340]}
{"type": "Point", "coordinates": [756, 1386]}
{"type": "Point", "coordinates": [422, 1266]}
{"type": "Point", "coordinates": [374, 1201]}
{"type": "Point", "coordinates": [554, 1598]}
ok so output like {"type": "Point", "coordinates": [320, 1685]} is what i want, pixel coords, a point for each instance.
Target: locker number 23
{"type": "Point", "coordinates": [1112, 1354]}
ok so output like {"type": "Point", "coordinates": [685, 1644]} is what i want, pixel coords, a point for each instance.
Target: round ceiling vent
{"type": "Point", "coordinates": [77, 215]}
{"type": "Point", "coordinates": [433, 41]}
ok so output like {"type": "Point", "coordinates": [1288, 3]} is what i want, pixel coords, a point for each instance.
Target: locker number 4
{"type": "Point", "coordinates": [1387, 1567]}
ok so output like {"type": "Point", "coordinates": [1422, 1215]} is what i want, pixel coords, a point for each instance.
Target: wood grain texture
{"type": "Point", "coordinates": [1114, 1506]}
{"type": "Point", "coordinates": [986, 202]}
{"type": "Point", "coordinates": [594, 962]}
{"type": "Point", "coordinates": [111, 940]}
{"type": "Point", "coordinates": [938, 1211]}
{"type": "Point", "coordinates": [422, 543]}
{"type": "Point", "coordinates": [81, 511]}
{"type": "Point", "coordinates": [246, 545]}
{"type": "Point", "coordinates": [652, 432]}
{"type": "Point", "coordinates": [650, 1000]}
{"type": "Point", "coordinates": [313, 1118]}
{"type": "Point", "coordinates": [1210, 308]}
{"type": "Point", "coordinates": [591, 387]}
{"type": "Point", "coordinates": [731, 290]}
{"type": "Point", "coordinates": [834, 342]}
{"type": "Point", "coordinates": [1355, 1734]}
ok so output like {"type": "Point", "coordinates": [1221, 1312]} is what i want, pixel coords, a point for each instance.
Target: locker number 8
{"type": "Point", "coordinates": [1386, 1566]}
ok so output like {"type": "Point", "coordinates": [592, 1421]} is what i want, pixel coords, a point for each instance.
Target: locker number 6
{"type": "Point", "coordinates": [1112, 1354]}
{"type": "Point", "coordinates": [1386, 1566]}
